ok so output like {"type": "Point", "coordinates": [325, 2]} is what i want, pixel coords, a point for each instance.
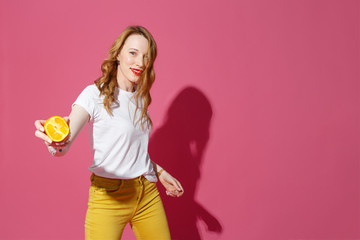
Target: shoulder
{"type": "Point", "coordinates": [91, 90]}
{"type": "Point", "coordinates": [89, 93]}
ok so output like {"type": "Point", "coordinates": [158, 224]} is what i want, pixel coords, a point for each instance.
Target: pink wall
{"type": "Point", "coordinates": [256, 111]}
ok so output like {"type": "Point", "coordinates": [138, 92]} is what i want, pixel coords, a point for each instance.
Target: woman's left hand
{"type": "Point", "coordinates": [172, 186]}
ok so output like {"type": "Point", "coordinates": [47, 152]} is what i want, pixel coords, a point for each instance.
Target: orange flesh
{"type": "Point", "coordinates": [56, 128]}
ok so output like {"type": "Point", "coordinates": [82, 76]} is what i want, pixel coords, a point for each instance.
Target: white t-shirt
{"type": "Point", "coordinates": [120, 149]}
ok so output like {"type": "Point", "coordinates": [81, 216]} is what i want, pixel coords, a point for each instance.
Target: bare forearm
{"type": "Point", "coordinates": [172, 186]}
{"type": "Point", "coordinates": [157, 167]}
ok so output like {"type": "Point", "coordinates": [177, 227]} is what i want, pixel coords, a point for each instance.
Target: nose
{"type": "Point", "coordinates": [140, 61]}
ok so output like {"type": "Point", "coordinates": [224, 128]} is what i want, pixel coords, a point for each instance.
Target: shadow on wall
{"type": "Point", "coordinates": [178, 146]}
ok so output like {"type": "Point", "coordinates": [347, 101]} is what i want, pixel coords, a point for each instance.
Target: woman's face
{"type": "Point", "coordinates": [133, 58]}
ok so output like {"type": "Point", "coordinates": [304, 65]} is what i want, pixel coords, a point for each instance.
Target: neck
{"type": "Point", "coordinates": [125, 84]}
{"type": "Point", "coordinates": [127, 87]}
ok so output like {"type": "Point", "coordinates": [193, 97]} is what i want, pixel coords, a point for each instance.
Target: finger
{"type": "Point", "coordinates": [176, 184]}
{"type": "Point", "coordinates": [39, 125]}
{"type": "Point", "coordinates": [55, 145]}
{"type": "Point", "coordinates": [52, 150]}
{"type": "Point", "coordinates": [42, 136]}
{"type": "Point", "coordinates": [61, 144]}
{"type": "Point", "coordinates": [178, 193]}
{"type": "Point", "coordinates": [181, 188]}
{"type": "Point", "coordinates": [170, 194]}
{"type": "Point", "coordinates": [175, 193]}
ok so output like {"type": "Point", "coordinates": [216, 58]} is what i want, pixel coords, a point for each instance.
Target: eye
{"type": "Point", "coordinates": [133, 53]}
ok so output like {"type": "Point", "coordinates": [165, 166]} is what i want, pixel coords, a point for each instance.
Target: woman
{"type": "Point", "coordinates": [123, 181]}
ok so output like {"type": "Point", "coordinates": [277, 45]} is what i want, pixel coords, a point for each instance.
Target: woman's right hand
{"type": "Point", "coordinates": [76, 121]}
{"type": "Point", "coordinates": [53, 147]}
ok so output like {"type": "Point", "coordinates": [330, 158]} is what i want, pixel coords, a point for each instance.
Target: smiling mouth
{"type": "Point", "coordinates": [136, 71]}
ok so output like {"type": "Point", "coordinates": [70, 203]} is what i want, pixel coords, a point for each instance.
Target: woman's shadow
{"type": "Point", "coordinates": [178, 146]}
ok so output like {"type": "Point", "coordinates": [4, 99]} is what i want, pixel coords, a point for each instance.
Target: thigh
{"type": "Point", "coordinates": [105, 217]}
{"type": "Point", "coordinates": [149, 221]}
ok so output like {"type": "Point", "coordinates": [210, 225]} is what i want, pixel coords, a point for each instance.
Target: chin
{"type": "Point", "coordinates": [134, 81]}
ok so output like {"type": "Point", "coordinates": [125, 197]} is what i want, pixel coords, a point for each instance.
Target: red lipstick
{"type": "Point", "coordinates": [136, 71]}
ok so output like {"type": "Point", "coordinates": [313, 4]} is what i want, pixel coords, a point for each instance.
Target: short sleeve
{"type": "Point", "coordinates": [87, 100]}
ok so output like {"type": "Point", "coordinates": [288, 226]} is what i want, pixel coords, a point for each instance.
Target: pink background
{"type": "Point", "coordinates": [256, 111]}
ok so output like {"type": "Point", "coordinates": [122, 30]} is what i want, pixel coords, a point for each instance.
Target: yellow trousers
{"type": "Point", "coordinates": [115, 202]}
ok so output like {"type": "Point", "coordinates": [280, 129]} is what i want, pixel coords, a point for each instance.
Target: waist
{"type": "Point", "coordinates": [101, 181]}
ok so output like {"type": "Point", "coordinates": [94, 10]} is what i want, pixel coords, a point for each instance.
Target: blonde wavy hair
{"type": "Point", "coordinates": [107, 83]}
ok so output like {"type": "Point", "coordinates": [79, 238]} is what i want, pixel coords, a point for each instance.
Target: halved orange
{"type": "Point", "coordinates": [56, 128]}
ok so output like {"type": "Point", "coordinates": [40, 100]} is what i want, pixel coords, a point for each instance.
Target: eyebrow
{"type": "Point", "coordinates": [133, 49]}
